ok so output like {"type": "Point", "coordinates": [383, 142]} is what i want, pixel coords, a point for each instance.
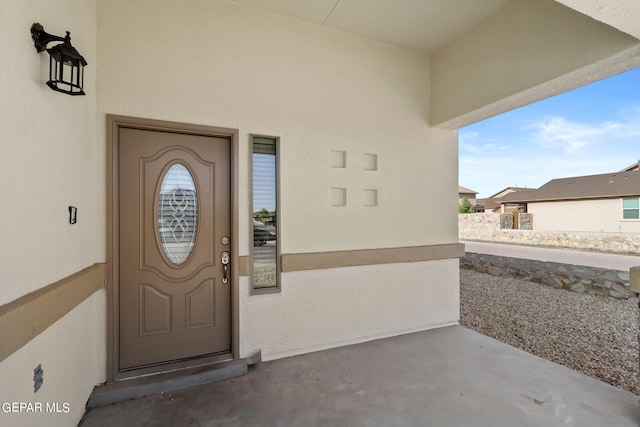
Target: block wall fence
{"type": "Point", "coordinates": [494, 227]}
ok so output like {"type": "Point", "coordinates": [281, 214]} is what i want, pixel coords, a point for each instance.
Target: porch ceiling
{"type": "Point", "coordinates": [413, 24]}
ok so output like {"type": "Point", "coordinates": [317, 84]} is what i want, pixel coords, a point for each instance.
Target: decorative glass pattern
{"type": "Point", "coordinates": [178, 214]}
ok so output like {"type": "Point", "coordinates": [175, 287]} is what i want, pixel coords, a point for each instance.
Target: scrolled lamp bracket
{"type": "Point", "coordinates": [41, 38]}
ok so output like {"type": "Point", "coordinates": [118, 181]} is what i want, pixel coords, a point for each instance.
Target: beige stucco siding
{"type": "Point", "coordinates": [325, 94]}
{"type": "Point", "coordinates": [470, 197]}
{"type": "Point", "coordinates": [603, 215]}
{"type": "Point", "coordinates": [333, 307]}
{"type": "Point", "coordinates": [48, 152]}
{"type": "Point", "coordinates": [72, 354]}
{"type": "Point", "coordinates": [49, 162]}
{"type": "Point", "coordinates": [620, 14]}
{"type": "Point", "coordinates": [319, 90]}
{"type": "Point", "coordinates": [527, 51]}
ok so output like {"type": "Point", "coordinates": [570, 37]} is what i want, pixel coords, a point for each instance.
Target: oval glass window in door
{"type": "Point", "coordinates": [177, 214]}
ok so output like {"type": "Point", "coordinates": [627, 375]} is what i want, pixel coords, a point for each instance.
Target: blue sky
{"type": "Point", "coordinates": [590, 130]}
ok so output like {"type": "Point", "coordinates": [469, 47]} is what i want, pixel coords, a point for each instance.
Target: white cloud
{"type": "Point", "coordinates": [489, 174]}
{"type": "Point", "coordinates": [464, 136]}
{"type": "Point", "coordinates": [558, 132]}
{"type": "Point", "coordinates": [473, 143]}
{"type": "Point", "coordinates": [498, 154]}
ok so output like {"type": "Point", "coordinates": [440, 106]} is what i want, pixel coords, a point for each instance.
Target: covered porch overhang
{"type": "Point", "coordinates": [492, 56]}
{"type": "Point", "coordinates": [341, 89]}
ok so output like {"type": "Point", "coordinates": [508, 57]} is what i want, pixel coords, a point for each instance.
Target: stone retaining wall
{"type": "Point", "coordinates": [490, 227]}
{"type": "Point", "coordinates": [506, 221]}
{"type": "Point", "coordinates": [525, 221]}
{"type": "Point", "coordinates": [579, 279]}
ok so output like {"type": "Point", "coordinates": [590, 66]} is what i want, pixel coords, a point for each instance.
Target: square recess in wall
{"type": "Point", "coordinates": [370, 198]}
{"type": "Point", "coordinates": [338, 196]}
{"type": "Point", "coordinates": [370, 162]}
{"type": "Point", "coordinates": [338, 159]}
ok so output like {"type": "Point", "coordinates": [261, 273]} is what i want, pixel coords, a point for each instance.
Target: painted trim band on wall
{"type": "Point", "coordinates": [28, 316]}
{"type": "Point", "coordinates": [323, 260]}
{"type": "Point", "coordinates": [244, 265]}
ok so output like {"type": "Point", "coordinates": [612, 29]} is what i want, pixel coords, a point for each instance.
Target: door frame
{"type": "Point", "coordinates": [114, 123]}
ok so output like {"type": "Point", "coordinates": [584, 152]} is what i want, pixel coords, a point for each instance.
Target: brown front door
{"type": "Point", "coordinates": [174, 215]}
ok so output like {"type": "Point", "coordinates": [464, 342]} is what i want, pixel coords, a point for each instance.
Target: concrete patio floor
{"type": "Point", "coordinates": [443, 377]}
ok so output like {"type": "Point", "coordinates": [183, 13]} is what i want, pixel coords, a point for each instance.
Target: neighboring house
{"type": "Point", "coordinates": [595, 203]}
{"type": "Point", "coordinates": [359, 103]}
{"type": "Point", "coordinates": [633, 167]}
{"type": "Point", "coordinates": [493, 203]}
{"type": "Point", "coordinates": [469, 194]}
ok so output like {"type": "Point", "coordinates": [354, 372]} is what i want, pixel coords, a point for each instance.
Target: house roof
{"type": "Point", "coordinates": [494, 202]}
{"type": "Point", "coordinates": [488, 204]}
{"type": "Point", "coordinates": [633, 167]}
{"type": "Point", "coordinates": [618, 184]}
{"type": "Point", "coordinates": [513, 189]}
{"type": "Point", "coordinates": [465, 190]}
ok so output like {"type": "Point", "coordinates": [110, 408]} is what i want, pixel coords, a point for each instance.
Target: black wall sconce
{"type": "Point", "coordinates": [66, 65]}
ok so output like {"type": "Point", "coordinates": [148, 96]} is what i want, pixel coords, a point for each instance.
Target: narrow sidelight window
{"type": "Point", "coordinates": [265, 268]}
{"type": "Point", "coordinates": [631, 208]}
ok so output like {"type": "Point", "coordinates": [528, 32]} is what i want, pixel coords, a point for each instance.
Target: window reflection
{"type": "Point", "coordinates": [265, 222]}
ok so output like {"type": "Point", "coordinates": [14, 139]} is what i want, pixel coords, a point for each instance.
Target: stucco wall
{"type": "Point", "coordinates": [72, 354]}
{"type": "Point", "coordinates": [49, 156]}
{"type": "Point", "coordinates": [582, 215]}
{"type": "Point", "coordinates": [596, 281]}
{"type": "Point", "coordinates": [322, 92]}
{"type": "Point", "coordinates": [549, 47]}
{"type": "Point", "coordinates": [328, 308]}
{"type": "Point", "coordinates": [319, 90]}
{"type": "Point", "coordinates": [487, 227]}
{"type": "Point", "coordinates": [621, 14]}
{"type": "Point", "coordinates": [48, 151]}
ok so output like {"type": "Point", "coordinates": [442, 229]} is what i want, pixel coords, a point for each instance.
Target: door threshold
{"type": "Point", "coordinates": [166, 367]}
{"type": "Point", "coordinates": [171, 379]}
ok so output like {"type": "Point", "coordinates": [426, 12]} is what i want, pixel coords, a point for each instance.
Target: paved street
{"type": "Point", "coordinates": [564, 256]}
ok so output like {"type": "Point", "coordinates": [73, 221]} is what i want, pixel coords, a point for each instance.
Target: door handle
{"type": "Point", "coordinates": [225, 266]}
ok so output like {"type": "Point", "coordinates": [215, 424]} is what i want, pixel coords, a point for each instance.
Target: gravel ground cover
{"type": "Point", "coordinates": [593, 335]}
